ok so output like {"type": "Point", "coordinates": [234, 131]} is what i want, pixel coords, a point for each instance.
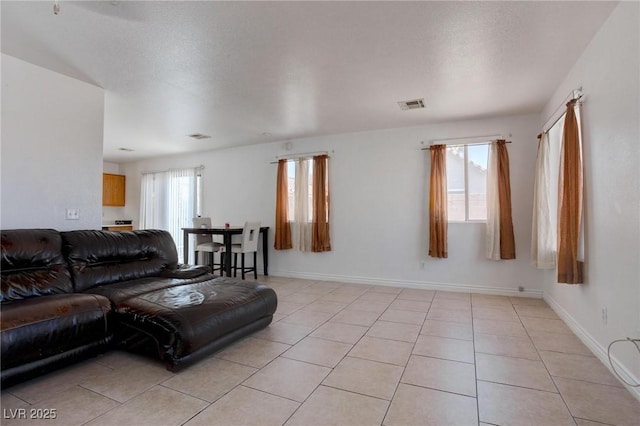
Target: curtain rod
{"type": "Point", "coordinates": [575, 94]}
{"type": "Point", "coordinates": [463, 144]}
{"type": "Point", "coordinates": [299, 156]}
{"type": "Point", "coordinates": [200, 167]}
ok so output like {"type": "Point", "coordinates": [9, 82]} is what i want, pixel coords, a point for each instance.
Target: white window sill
{"type": "Point", "coordinates": [468, 221]}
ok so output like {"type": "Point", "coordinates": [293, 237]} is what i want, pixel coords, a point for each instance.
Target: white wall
{"type": "Point", "coordinates": [52, 128]}
{"type": "Point", "coordinates": [609, 73]}
{"type": "Point", "coordinates": [378, 206]}
{"type": "Point", "coordinates": [108, 167]}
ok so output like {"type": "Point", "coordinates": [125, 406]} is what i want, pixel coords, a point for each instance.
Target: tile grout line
{"type": "Point", "coordinates": [540, 359]}
{"type": "Point", "coordinates": [439, 390]}
{"type": "Point", "coordinates": [404, 368]}
{"type": "Point", "coordinates": [545, 366]}
{"type": "Point", "coordinates": [120, 404]}
{"type": "Point", "coordinates": [362, 337]}
{"type": "Point", "coordinates": [368, 328]}
{"type": "Point", "coordinates": [332, 368]}
{"type": "Point", "coordinates": [475, 360]}
{"type": "Point", "coordinates": [270, 362]}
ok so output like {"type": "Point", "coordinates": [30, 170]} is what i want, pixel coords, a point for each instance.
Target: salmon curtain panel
{"type": "Point", "coordinates": [570, 200]}
{"type": "Point", "coordinates": [438, 219]}
{"type": "Point", "coordinates": [320, 238]}
{"type": "Point", "coordinates": [283, 229]}
{"type": "Point", "coordinates": [500, 238]}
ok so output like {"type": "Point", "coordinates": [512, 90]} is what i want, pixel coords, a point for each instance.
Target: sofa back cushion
{"type": "Point", "coordinates": [32, 264]}
{"type": "Point", "coordinates": [104, 257]}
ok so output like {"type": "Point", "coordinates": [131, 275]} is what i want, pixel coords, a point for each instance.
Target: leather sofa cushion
{"type": "Point", "coordinates": [32, 264]}
{"type": "Point", "coordinates": [185, 272]}
{"type": "Point", "coordinates": [103, 257]}
{"type": "Point", "coordinates": [186, 318]}
{"type": "Point", "coordinates": [47, 326]}
{"type": "Point", "coordinates": [119, 292]}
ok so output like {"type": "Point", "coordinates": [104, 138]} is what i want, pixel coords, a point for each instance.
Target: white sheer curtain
{"type": "Point", "coordinates": [168, 201]}
{"type": "Point", "coordinates": [543, 232]}
{"type": "Point", "coordinates": [152, 197]}
{"type": "Point", "coordinates": [146, 201]}
{"type": "Point", "coordinates": [492, 249]}
{"type": "Point", "coordinates": [302, 216]}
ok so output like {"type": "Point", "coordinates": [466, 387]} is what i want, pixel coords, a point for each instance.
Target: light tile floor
{"type": "Point", "coordinates": [348, 354]}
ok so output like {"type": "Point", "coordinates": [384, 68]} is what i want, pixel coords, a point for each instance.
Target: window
{"type": "Point", "coordinates": [294, 170]}
{"type": "Point", "coordinates": [466, 182]}
{"type": "Point", "coordinates": [170, 200]}
{"type": "Point", "coordinates": [302, 205]}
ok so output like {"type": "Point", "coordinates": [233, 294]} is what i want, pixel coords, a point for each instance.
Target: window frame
{"type": "Point", "coordinates": [466, 183]}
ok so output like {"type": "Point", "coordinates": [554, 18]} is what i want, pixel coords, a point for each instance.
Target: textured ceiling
{"type": "Point", "coordinates": [253, 72]}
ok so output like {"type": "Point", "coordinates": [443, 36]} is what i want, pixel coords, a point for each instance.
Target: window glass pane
{"type": "Point", "coordinates": [455, 183]}
{"type": "Point", "coordinates": [477, 176]}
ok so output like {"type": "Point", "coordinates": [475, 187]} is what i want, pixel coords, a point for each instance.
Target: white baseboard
{"type": "Point", "coordinates": [410, 284]}
{"type": "Point", "coordinates": [599, 351]}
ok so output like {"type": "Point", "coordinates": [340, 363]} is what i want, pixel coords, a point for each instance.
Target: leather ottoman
{"type": "Point", "coordinates": [183, 324]}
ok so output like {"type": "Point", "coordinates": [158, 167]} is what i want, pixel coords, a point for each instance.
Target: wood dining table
{"type": "Point", "coordinates": [227, 233]}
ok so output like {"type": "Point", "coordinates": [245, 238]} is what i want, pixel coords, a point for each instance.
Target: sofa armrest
{"type": "Point", "coordinates": [185, 271]}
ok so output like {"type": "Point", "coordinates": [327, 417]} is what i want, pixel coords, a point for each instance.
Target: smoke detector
{"type": "Point", "coordinates": [198, 136]}
{"type": "Point", "coordinates": [411, 104]}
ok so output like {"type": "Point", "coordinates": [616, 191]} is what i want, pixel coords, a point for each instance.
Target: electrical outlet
{"type": "Point", "coordinates": [73, 214]}
{"type": "Point", "coordinates": [521, 288]}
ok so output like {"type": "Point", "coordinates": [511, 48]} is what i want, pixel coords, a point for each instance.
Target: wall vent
{"type": "Point", "coordinates": [412, 104]}
{"type": "Point", "coordinates": [198, 136]}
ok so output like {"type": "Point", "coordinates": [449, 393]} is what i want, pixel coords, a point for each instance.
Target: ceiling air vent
{"type": "Point", "coordinates": [412, 104]}
{"type": "Point", "coordinates": [198, 136]}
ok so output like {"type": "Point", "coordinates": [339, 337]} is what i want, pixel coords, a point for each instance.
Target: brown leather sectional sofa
{"type": "Point", "coordinates": [66, 296]}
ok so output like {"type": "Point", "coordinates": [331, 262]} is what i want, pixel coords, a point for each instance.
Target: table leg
{"type": "Point", "coordinates": [265, 252]}
{"type": "Point", "coordinates": [227, 254]}
{"type": "Point", "coordinates": [185, 248]}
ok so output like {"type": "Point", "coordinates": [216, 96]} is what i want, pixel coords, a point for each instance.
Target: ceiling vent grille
{"type": "Point", "coordinates": [412, 104]}
{"type": "Point", "coordinates": [198, 136]}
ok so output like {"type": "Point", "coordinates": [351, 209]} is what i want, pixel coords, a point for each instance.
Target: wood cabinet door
{"type": "Point", "coordinates": [113, 193]}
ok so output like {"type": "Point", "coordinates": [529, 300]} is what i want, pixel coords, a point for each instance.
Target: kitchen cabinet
{"type": "Point", "coordinates": [113, 192]}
